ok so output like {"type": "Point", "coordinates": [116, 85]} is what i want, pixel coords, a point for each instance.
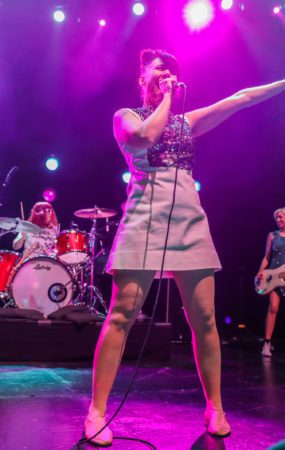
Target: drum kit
{"type": "Point", "coordinates": [67, 277]}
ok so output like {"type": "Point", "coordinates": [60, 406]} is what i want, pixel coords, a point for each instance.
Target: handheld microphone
{"type": "Point", "coordinates": [179, 85]}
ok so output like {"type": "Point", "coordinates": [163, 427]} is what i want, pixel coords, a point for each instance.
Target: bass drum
{"type": "Point", "coordinates": [42, 283]}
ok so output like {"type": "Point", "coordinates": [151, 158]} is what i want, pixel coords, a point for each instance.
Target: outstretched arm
{"type": "Point", "coordinates": [204, 119]}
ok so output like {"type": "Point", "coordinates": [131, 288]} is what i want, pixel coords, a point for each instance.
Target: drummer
{"type": "Point", "coordinates": [43, 215]}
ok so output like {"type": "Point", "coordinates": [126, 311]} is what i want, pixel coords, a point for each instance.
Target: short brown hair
{"type": "Point", "coordinates": [147, 55]}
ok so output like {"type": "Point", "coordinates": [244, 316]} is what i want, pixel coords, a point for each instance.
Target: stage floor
{"type": "Point", "coordinates": [43, 407]}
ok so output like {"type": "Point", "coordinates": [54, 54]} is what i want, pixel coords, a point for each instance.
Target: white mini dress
{"type": "Point", "coordinates": [141, 236]}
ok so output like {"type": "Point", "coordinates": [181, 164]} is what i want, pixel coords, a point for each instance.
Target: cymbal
{"type": "Point", "coordinates": [95, 213]}
{"type": "Point", "coordinates": [11, 224]}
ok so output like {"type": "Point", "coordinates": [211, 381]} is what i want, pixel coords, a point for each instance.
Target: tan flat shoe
{"type": "Point", "coordinates": [93, 424]}
{"type": "Point", "coordinates": [216, 423]}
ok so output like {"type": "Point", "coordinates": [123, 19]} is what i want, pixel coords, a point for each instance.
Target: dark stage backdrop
{"type": "Point", "coordinates": [61, 83]}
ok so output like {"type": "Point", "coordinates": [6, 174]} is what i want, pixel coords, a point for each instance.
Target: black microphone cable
{"type": "Point", "coordinates": [131, 382]}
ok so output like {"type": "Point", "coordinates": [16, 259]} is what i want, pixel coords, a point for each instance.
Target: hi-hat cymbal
{"type": "Point", "coordinates": [95, 213]}
{"type": "Point", "coordinates": [11, 224]}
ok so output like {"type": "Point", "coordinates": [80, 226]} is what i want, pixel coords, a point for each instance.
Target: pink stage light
{"type": "Point", "coordinates": [102, 22]}
{"type": "Point", "coordinates": [198, 14]}
{"type": "Point", "coordinates": [227, 4]}
{"type": "Point", "coordinates": [277, 9]}
{"type": "Point", "coordinates": [49, 195]}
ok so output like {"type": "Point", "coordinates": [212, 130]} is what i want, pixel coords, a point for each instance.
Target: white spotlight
{"type": "Point", "coordinates": [126, 177]}
{"type": "Point", "coordinates": [59, 15]}
{"type": "Point", "coordinates": [138, 8]}
{"type": "Point", "coordinates": [52, 163]}
{"type": "Point", "coordinates": [198, 186]}
{"type": "Point", "coordinates": [277, 9]}
{"type": "Point", "coordinates": [198, 14]}
{"type": "Point", "coordinates": [227, 4]}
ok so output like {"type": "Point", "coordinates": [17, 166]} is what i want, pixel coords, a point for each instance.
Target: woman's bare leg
{"type": "Point", "coordinates": [130, 289]}
{"type": "Point", "coordinates": [270, 320]}
{"type": "Point", "coordinates": [197, 292]}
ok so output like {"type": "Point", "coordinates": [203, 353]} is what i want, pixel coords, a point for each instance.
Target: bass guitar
{"type": "Point", "coordinates": [272, 278]}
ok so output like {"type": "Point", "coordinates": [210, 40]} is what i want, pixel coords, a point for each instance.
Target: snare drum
{"type": "Point", "coordinates": [42, 283]}
{"type": "Point", "coordinates": [8, 261]}
{"type": "Point", "coordinates": [72, 246]}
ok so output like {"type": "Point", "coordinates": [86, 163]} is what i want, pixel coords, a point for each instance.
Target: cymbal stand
{"type": "Point", "coordinates": [94, 294]}
{"type": "Point", "coordinates": [78, 274]}
{"type": "Point", "coordinates": [3, 232]}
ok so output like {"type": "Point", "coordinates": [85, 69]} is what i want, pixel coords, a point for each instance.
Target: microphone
{"type": "Point", "coordinates": [179, 85]}
{"type": "Point", "coordinates": [10, 175]}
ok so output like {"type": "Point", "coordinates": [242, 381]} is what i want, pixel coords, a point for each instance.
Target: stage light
{"type": "Point", "coordinates": [126, 177]}
{"type": "Point", "coordinates": [198, 14]}
{"type": "Point", "coordinates": [227, 4]}
{"type": "Point", "coordinates": [198, 186]}
{"type": "Point", "coordinates": [277, 9]}
{"type": "Point", "coordinates": [228, 320]}
{"type": "Point", "coordinates": [49, 195]}
{"type": "Point", "coordinates": [102, 22]}
{"type": "Point", "coordinates": [138, 8]}
{"type": "Point", "coordinates": [52, 163]}
{"type": "Point", "coordinates": [59, 15]}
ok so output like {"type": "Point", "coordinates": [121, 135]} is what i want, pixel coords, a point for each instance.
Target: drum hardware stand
{"type": "Point", "coordinates": [8, 301]}
{"type": "Point", "coordinates": [94, 294]}
{"type": "Point", "coordinates": [3, 232]}
{"type": "Point", "coordinates": [3, 298]}
{"type": "Point", "coordinates": [78, 272]}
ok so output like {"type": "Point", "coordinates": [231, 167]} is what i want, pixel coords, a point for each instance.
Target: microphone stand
{"type": "Point", "coordinates": [6, 182]}
{"type": "Point", "coordinates": [3, 187]}
{"type": "Point", "coordinates": [3, 232]}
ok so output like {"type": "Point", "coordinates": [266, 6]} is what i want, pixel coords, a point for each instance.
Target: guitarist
{"type": "Point", "coordinates": [274, 257]}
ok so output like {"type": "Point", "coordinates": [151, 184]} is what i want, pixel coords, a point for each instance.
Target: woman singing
{"type": "Point", "coordinates": [158, 148]}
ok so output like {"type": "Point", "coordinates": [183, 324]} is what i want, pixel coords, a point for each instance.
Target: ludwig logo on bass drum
{"type": "Point", "coordinates": [41, 267]}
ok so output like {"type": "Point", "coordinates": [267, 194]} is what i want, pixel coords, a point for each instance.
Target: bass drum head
{"type": "Point", "coordinates": [42, 283]}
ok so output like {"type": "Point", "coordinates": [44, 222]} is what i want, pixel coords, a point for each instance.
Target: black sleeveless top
{"type": "Point", "coordinates": [168, 152]}
{"type": "Point", "coordinates": [277, 250]}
